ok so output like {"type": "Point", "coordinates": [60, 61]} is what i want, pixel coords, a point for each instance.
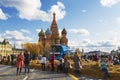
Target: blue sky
{"type": "Point", "coordinates": [91, 24]}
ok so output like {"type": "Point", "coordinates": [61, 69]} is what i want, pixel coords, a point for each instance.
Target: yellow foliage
{"type": "Point", "coordinates": [34, 48]}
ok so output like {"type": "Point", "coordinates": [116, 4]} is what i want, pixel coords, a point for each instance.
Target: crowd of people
{"type": "Point", "coordinates": [63, 65]}
{"type": "Point", "coordinates": [22, 60]}
{"type": "Point", "coordinates": [7, 59]}
{"type": "Point", "coordinates": [105, 60]}
{"type": "Point", "coordinates": [115, 59]}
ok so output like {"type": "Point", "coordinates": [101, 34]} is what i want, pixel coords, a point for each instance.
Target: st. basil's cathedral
{"type": "Point", "coordinates": [51, 35]}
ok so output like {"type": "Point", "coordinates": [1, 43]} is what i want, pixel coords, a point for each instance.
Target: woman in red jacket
{"type": "Point", "coordinates": [20, 62]}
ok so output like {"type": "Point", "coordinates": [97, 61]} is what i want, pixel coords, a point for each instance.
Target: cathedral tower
{"type": "Point", "coordinates": [55, 32]}
{"type": "Point", "coordinates": [41, 35]}
{"type": "Point", "coordinates": [48, 34]}
{"type": "Point", "coordinates": [64, 39]}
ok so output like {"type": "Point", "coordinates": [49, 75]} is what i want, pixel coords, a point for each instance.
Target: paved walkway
{"type": "Point", "coordinates": [9, 73]}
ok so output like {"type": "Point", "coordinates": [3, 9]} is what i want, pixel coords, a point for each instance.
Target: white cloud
{"type": "Point", "coordinates": [38, 30]}
{"type": "Point", "coordinates": [19, 44]}
{"type": "Point", "coordinates": [104, 45]}
{"type": "Point", "coordinates": [109, 3]}
{"type": "Point", "coordinates": [82, 32]}
{"type": "Point", "coordinates": [101, 43]}
{"type": "Point", "coordinates": [16, 36]}
{"type": "Point", "coordinates": [25, 31]}
{"type": "Point", "coordinates": [3, 16]}
{"type": "Point", "coordinates": [114, 34]}
{"type": "Point", "coordinates": [1, 39]}
{"type": "Point", "coordinates": [118, 20]}
{"type": "Point", "coordinates": [73, 43]}
{"type": "Point", "coordinates": [85, 41]}
{"type": "Point", "coordinates": [59, 10]}
{"type": "Point", "coordinates": [31, 9]}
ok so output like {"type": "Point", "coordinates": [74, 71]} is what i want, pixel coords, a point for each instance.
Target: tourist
{"type": "Point", "coordinates": [27, 61]}
{"type": "Point", "coordinates": [67, 65]}
{"type": "Point", "coordinates": [96, 57]}
{"type": "Point", "coordinates": [12, 59]}
{"type": "Point", "coordinates": [104, 68]}
{"type": "Point", "coordinates": [19, 63]}
{"type": "Point", "coordinates": [0, 58]}
{"type": "Point", "coordinates": [116, 61]}
{"type": "Point", "coordinates": [77, 63]}
{"type": "Point", "coordinates": [52, 61]}
{"type": "Point", "coordinates": [8, 59]}
{"type": "Point", "coordinates": [60, 66]}
{"type": "Point", "coordinates": [43, 62]}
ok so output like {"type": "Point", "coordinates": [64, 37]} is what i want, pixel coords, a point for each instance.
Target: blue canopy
{"type": "Point", "coordinates": [64, 48]}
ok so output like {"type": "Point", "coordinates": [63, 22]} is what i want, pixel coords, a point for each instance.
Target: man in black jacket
{"type": "Point", "coordinates": [27, 61]}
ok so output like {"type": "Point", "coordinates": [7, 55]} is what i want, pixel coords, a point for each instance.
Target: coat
{"type": "Point", "coordinates": [52, 59]}
{"type": "Point", "coordinates": [67, 64]}
{"type": "Point", "coordinates": [104, 65]}
{"type": "Point", "coordinates": [20, 61]}
{"type": "Point", "coordinates": [77, 62]}
{"type": "Point", "coordinates": [26, 58]}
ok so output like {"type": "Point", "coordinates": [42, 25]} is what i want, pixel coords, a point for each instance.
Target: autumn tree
{"type": "Point", "coordinates": [34, 48]}
{"type": "Point", "coordinates": [37, 48]}
{"type": "Point", "coordinates": [41, 48]}
{"type": "Point", "coordinates": [47, 49]}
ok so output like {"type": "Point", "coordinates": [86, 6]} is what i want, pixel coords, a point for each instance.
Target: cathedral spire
{"type": "Point", "coordinates": [54, 29]}
{"type": "Point", "coordinates": [54, 18]}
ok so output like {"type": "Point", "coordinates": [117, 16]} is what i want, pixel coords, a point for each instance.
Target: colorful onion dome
{"type": "Point", "coordinates": [64, 31]}
{"type": "Point", "coordinates": [41, 33]}
{"type": "Point", "coordinates": [48, 32]}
